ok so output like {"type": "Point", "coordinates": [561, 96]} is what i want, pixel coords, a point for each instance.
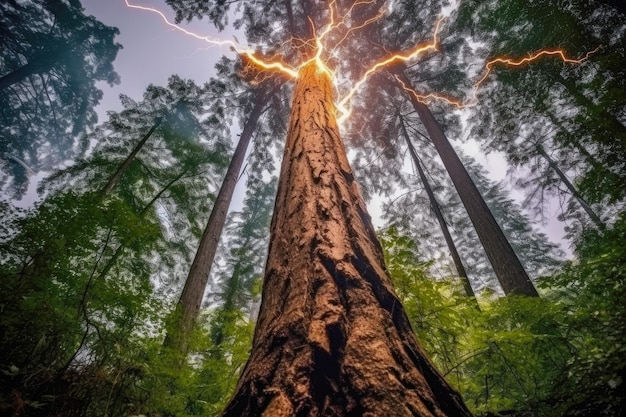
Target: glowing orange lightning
{"type": "Point", "coordinates": [489, 65]}
{"type": "Point", "coordinates": [412, 54]}
{"type": "Point", "coordinates": [249, 53]}
{"type": "Point", "coordinates": [510, 62]}
{"type": "Point", "coordinates": [320, 45]}
{"type": "Point", "coordinates": [321, 48]}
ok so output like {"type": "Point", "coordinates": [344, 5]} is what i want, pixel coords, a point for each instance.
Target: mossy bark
{"type": "Point", "coordinates": [332, 338]}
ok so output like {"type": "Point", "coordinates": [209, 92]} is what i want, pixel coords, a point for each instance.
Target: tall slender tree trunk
{"type": "Point", "coordinates": [120, 249]}
{"type": "Point", "coordinates": [574, 141]}
{"type": "Point", "coordinates": [460, 269]}
{"type": "Point", "coordinates": [610, 177]}
{"type": "Point", "coordinates": [508, 269]}
{"type": "Point", "coordinates": [553, 165]}
{"type": "Point", "coordinates": [332, 338]}
{"type": "Point", "coordinates": [225, 317]}
{"type": "Point", "coordinates": [115, 178]}
{"type": "Point", "coordinates": [188, 307]}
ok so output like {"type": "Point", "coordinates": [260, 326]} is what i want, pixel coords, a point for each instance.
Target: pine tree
{"type": "Point", "coordinates": [509, 270]}
{"type": "Point", "coordinates": [332, 337]}
{"type": "Point", "coordinates": [51, 57]}
{"type": "Point", "coordinates": [458, 263]}
{"type": "Point", "coordinates": [575, 112]}
{"type": "Point", "coordinates": [188, 307]}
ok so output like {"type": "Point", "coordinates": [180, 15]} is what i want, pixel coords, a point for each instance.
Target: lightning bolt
{"type": "Point", "coordinates": [249, 53]}
{"type": "Point", "coordinates": [402, 57]}
{"type": "Point", "coordinates": [489, 68]}
{"type": "Point", "coordinates": [510, 62]}
{"type": "Point", "coordinates": [319, 43]}
{"type": "Point", "coordinates": [334, 25]}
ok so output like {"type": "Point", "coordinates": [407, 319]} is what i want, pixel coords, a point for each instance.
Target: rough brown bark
{"type": "Point", "coordinates": [508, 269]}
{"type": "Point", "coordinates": [332, 338]}
{"type": "Point", "coordinates": [188, 307]}
{"type": "Point", "coordinates": [460, 269]}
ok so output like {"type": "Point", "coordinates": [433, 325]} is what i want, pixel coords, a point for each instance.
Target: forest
{"type": "Point", "coordinates": [375, 265]}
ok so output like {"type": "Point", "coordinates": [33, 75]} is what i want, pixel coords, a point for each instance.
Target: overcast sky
{"type": "Point", "coordinates": [152, 51]}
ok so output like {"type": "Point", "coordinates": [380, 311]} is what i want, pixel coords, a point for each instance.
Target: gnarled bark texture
{"type": "Point", "coordinates": [332, 338]}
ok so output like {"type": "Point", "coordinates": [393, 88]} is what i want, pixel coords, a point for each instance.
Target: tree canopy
{"type": "Point", "coordinates": [52, 55]}
{"type": "Point", "coordinates": [91, 275]}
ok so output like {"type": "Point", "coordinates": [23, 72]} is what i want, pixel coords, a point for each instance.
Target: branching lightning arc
{"type": "Point", "coordinates": [321, 42]}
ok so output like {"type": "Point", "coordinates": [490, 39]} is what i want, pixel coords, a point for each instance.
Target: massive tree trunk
{"type": "Point", "coordinates": [460, 269]}
{"type": "Point", "coordinates": [332, 338]}
{"type": "Point", "coordinates": [508, 269]}
{"type": "Point", "coordinates": [188, 307]}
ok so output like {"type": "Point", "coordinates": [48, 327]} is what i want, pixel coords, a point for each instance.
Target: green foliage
{"type": "Point", "coordinates": [521, 352]}
{"type": "Point", "coordinates": [165, 385]}
{"type": "Point", "coordinates": [174, 174]}
{"type": "Point", "coordinates": [82, 293]}
{"type": "Point", "coordinates": [51, 57]}
{"type": "Point", "coordinates": [575, 112]}
{"type": "Point", "coordinates": [438, 310]}
{"type": "Point", "coordinates": [67, 309]}
{"type": "Point", "coordinates": [560, 355]}
{"type": "Point", "coordinates": [592, 292]}
{"type": "Point", "coordinates": [80, 324]}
